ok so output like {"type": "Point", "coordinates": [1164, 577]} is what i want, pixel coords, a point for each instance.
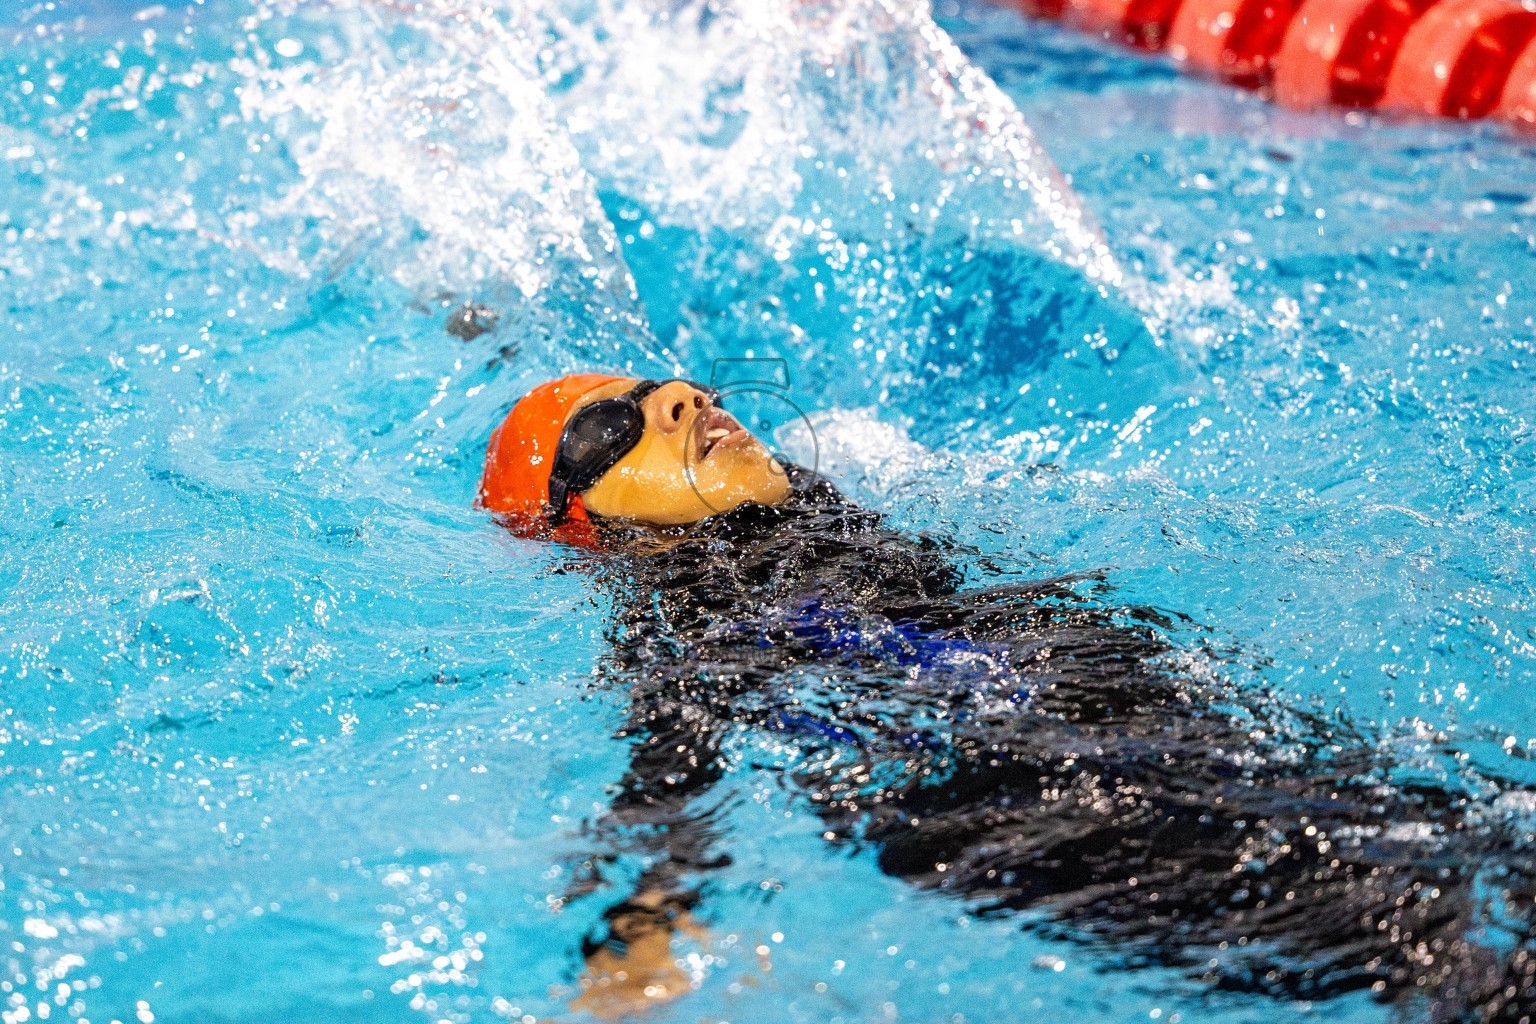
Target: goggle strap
{"type": "Point", "coordinates": [559, 498]}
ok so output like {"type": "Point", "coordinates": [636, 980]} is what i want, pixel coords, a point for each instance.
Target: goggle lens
{"type": "Point", "coordinates": [597, 437]}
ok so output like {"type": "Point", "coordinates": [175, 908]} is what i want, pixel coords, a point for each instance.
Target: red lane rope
{"type": "Point", "coordinates": [1456, 58]}
{"type": "Point", "coordinates": [1518, 101]}
{"type": "Point", "coordinates": [1479, 75]}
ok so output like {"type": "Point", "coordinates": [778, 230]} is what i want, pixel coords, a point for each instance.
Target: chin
{"type": "Point", "coordinates": [728, 498]}
{"type": "Point", "coordinates": [751, 477]}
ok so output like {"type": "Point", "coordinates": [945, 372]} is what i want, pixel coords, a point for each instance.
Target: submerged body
{"type": "Point", "coordinates": [1021, 746]}
{"type": "Point", "coordinates": [1025, 747]}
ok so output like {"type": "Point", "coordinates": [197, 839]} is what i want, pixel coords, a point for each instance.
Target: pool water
{"type": "Point", "coordinates": [289, 731]}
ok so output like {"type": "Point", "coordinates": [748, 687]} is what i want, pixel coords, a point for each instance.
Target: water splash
{"type": "Point", "coordinates": [729, 115]}
{"type": "Point", "coordinates": [252, 628]}
{"type": "Point", "coordinates": [844, 135]}
{"type": "Point", "coordinates": [430, 152]}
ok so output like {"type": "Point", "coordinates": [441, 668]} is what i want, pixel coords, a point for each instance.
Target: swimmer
{"type": "Point", "coordinates": [1027, 746]}
{"type": "Point", "coordinates": [659, 453]}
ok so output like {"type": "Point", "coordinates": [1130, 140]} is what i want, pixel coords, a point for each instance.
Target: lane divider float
{"type": "Point", "coordinates": [1453, 58]}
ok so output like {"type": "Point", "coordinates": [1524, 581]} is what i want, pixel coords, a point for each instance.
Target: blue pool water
{"type": "Point", "coordinates": [289, 731]}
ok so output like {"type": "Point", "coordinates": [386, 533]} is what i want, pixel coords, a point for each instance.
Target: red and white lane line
{"type": "Point", "coordinates": [1455, 58]}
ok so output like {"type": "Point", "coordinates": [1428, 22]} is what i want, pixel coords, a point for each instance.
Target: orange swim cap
{"type": "Point", "coordinates": [522, 451]}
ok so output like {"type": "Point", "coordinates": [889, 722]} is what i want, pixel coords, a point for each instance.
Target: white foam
{"type": "Point", "coordinates": [473, 156]}
{"type": "Point", "coordinates": [874, 458]}
{"type": "Point", "coordinates": [858, 450]}
{"type": "Point", "coordinates": [477, 154]}
{"type": "Point", "coordinates": [448, 150]}
{"type": "Point", "coordinates": [716, 117]}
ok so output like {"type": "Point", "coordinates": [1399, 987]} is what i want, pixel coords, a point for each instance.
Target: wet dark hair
{"type": "Point", "coordinates": [1033, 745]}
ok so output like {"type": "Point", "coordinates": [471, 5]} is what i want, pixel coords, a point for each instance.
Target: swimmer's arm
{"type": "Point", "coordinates": [675, 758]}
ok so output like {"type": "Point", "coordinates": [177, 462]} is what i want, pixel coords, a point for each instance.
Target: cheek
{"type": "Point", "coordinates": [657, 483]}
{"type": "Point", "coordinates": [666, 462]}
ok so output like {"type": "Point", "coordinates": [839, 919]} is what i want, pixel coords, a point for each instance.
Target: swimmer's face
{"type": "Point", "coordinates": [695, 460]}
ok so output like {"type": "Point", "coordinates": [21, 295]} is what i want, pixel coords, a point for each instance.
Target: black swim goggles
{"type": "Point", "coordinates": [597, 437]}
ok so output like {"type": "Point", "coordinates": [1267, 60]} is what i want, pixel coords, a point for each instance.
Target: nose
{"type": "Point", "coordinates": [674, 405]}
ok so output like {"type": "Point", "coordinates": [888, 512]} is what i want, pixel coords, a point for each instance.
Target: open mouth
{"type": "Point", "coordinates": [715, 429]}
